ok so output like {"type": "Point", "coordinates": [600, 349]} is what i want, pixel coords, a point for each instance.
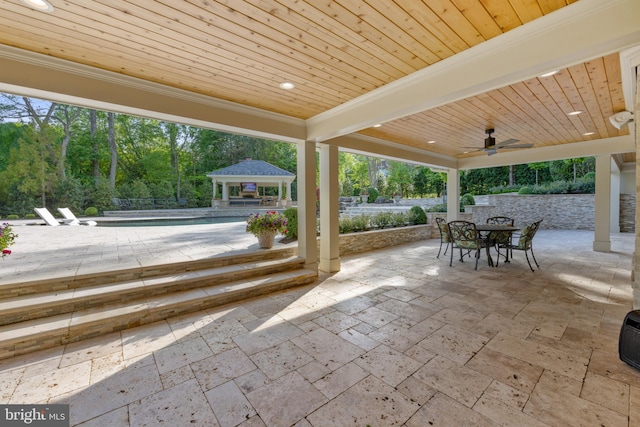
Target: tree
{"type": "Point", "coordinates": [537, 167]}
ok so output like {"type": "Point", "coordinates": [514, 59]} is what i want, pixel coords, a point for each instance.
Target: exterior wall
{"type": "Point", "coordinates": [353, 243]}
{"type": "Point", "coordinates": [627, 213]}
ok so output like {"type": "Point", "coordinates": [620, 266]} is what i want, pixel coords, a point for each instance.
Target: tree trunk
{"type": "Point", "coordinates": [93, 124]}
{"type": "Point", "coordinates": [114, 152]}
{"type": "Point", "coordinates": [512, 175]}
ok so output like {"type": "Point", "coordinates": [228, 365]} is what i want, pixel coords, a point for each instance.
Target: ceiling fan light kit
{"type": "Point", "coordinates": [491, 148]}
{"type": "Point", "coordinates": [621, 119]}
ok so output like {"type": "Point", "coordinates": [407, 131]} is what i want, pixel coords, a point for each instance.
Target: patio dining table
{"type": "Point", "coordinates": [486, 230]}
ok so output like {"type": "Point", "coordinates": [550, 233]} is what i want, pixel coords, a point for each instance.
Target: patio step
{"type": "Point", "coordinates": [38, 321]}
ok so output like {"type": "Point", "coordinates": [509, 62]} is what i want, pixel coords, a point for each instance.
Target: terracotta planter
{"type": "Point", "coordinates": [266, 240]}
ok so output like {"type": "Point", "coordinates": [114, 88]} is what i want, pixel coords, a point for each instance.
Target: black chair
{"type": "Point", "coordinates": [444, 235]}
{"type": "Point", "coordinates": [525, 242]}
{"type": "Point", "coordinates": [465, 236]}
{"type": "Point", "coordinates": [501, 238]}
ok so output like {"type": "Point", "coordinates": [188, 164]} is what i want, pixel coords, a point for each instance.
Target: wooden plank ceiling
{"type": "Point", "coordinates": [334, 51]}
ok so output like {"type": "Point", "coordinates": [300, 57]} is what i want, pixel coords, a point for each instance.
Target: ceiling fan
{"type": "Point", "coordinates": [491, 148]}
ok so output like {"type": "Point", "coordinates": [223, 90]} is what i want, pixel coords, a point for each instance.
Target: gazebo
{"type": "Point", "coordinates": [250, 175]}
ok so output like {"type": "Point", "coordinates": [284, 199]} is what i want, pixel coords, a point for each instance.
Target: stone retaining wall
{"type": "Point", "coordinates": [353, 243]}
{"type": "Point", "coordinates": [627, 213]}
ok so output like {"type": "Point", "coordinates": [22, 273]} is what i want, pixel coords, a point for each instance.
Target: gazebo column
{"type": "Point", "coordinates": [307, 234]}
{"type": "Point", "coordinates": [225, 191]}
{"type": "Point", "coordinates": [329, 210]}
{"type": "Point", "coordinates": [289, 198]}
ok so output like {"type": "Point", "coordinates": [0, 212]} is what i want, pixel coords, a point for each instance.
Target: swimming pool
{"type": "Point", "coordinates": [155, 222]}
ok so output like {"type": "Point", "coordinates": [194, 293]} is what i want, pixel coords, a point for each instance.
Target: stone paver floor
{"type": "Point", "coordinates": [397, 337]}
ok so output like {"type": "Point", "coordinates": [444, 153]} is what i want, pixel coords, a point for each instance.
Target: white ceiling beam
{"type": "Point", "coordinates": [610, 146]}
{"type": "Point", "coordinates": [581, 31]}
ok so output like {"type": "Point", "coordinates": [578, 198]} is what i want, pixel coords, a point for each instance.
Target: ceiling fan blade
{"type": "Point", "coordinates": [491, 152]}
{"type": "Point", "coordinates": [507, 142]}
{"type": "Point", "coordinates": [517, 146]}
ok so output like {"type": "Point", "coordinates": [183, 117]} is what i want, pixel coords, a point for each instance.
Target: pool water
{"type": "Point", "coordinates": [155, 222]}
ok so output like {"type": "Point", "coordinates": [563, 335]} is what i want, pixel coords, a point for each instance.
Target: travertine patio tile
{"type": "Point", "coordinates": [114, 391]}
{"type": "Point", "coordinates": [506, 369]}
{"type": "Point", "coordinates": [601, 364]}
{"type": "Point", "coordinates": [369, 402]}
{"type": "Point", "coordinates": [454, 343]}
{"type": "Point", "coordinates": [313, 371]}
{"type": "Point", "coordinates": [442, 410]}
{"type": "Point", "coordinates": [502, 413]}
{"type": "Point", "coordinates": [397, 337]}
{"type": "Point", "coordinates": [634, 407]}
{"type": "Point", "coordinates": [146, 339]}
{"type": "Point", "coordinates": [220, 368]}
{"type": "Point", "coordinates": [402, 294]}
{"type": "Point", "coordinates": [177, 376]}
{"type": "Point", "coordinates": [251, 381]}
{"type": "Point", "coordinates": [256, 421]}
{"type": "Point", "coordinates": [280, 359]}
{"type": "Point", "coordinates": [540, 355]}
{"type": "Point", "coordinates": [389, 365]}
{"type": "Point", "coordinates": [91, 348]}
{"type": "Point", "coordinates": [336, 322]}
{"type": "Point", "coordinates": [117, 417]}
{"type": "Point", "coordinates": [339, 380]}
{"type": "Point", "coordinates": [406, 310]}
{"type": "Point", "coordinates": [39, 387]}
{"type": "Point", "coordinates": [327, 348]}
{"type": "Point", "coordinates": [361, 340]}
{"type": "Point", "coordinates": [181, 354]}
{"type": "Point", "coordinates": [266, 335]}
{"type": "Point", "coordinates": [300, 396]}
{"type": "Point", "coordinates": [462, 319]}
{"type": "Point", "coordinates": [229, 404]}
{"type": "Point", "coordinates": [8, 383]}
{"type": "Point", "coordinates": [606, 392]}
{"type": "Point", "coordinates": [375, 317]}
{"type": "Point", "coordinates": [494, 323]}
{"type": "Point", "coordinates": [456, 381]}
{"type": "Point", "coordinates": [560, 408]}
{"type": "Point", "coordinates": [416, 390]}
{"type": "Point", "coordinates": [183, 404]}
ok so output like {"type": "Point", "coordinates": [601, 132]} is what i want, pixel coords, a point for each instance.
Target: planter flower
{"type": "Point", "coordinates": [266, 226]}
{"type": "Point", "coordinates": [7, 238]}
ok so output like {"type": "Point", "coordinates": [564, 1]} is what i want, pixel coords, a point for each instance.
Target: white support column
{"type": "Point", "coordinates": [615, 197]}
{"type": "Point", "coordinates": [329, 210]}
{"type": "Point", "coordinates": [225, 191]}
{"type": "Point", "coordinates": [453, 194]}
{"type": "Point", "coordinates": [307, 233]}
{"type": "Point", "coordinates": [602, 242]}
{"type": "Point", "coordinates": [215, 187]}
{"type": "Point", "coordinates": [279, 190]}
{"type": "Point", "coordinates": [289, 197]}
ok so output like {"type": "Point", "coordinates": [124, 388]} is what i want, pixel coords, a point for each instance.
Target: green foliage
{"type": "Point", "coordinates": [69, 193]}
{"type": "Point", "coordinates": [417, 215]}
{"type": "Point", "coordinates": [103, 195]}
{"type": "Point", "coordinates": [501, 189]}
{"type": "Point", "coordinates": [7, 238]}
{"type": "Point", "coordinates": [269, 222]}
{"type": "Point", "coordinates": [525, 190]}
{"type": "Point", "coordinates": [346, 225]}
{"type": "Point", "coordinates": [30, 216]}
{"type": "Point", "coordinates": [373, 194]}
{"type": "Point", "coordinates": [382, 219]}
{"type": "Point", "coordinates": [440, 207]}
{"type": "Point", "coordinates": [467, 200]}
{"type": "Point", "coordinates": [399, 219]}
{"type": "Point", "coordinates": [292, 222]}
{"type": "Point", "coordinates": [361, 222]}
{"type": "Point", "coordinates": [91, 211]}
{"type": "Point", "coordinates": [13, 216]}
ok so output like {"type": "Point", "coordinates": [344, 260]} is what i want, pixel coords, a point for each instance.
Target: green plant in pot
{"type": "Point", "coordinates": [265, 226]}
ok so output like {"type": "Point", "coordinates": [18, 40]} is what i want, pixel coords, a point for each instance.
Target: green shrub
{"type": "Point", "coordinates": [381, 219]}
{"type": "Point", "coordinates": [467, 200]}
{"type": "Point", "coordinates": [399, 219]}
{"type": "Point", "coordinates": [30, 216]}
{"type": "Point", "coordinates": [91, 211]}
{"type": "Point", "coordinates": [373, 194]}
{"type": "Point", "coordinates": [417, 215]}
{"type": "Point", "coordinates": [345, 225]}
{"type": "Point", "coordinates": [525, 190]}
{"type": "Point", "coordinates": [361, 222]}
{"type": "Point", "coordinates": [440, 207]}
{"type": "Point", "coordinates": [13, 216]}
{"type": "Point", "coordinates": [292, 222]}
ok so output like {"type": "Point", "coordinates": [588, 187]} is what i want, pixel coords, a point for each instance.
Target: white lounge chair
{"type": "Point", "coordinates": [50, 220]}
{"type": "Point", "coordinates": [68, 215]}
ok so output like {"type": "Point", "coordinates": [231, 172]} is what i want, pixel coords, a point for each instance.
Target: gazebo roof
{"type": "Point", "coordinates": [249, 167]}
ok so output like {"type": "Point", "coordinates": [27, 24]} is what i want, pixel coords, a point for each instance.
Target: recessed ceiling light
{"type": "Point", "coordinates": [574, 113]}
{"type": "Point", "coordinates": [550, 73]}
{"type": "Point", "coordinates": [588, 133]}
{"type": "Point", "coordinates": [431, 142]}
{"type": "Point", "coordinates": [287, 85]}
{"type": "Point", "coordinates": [41, 5]}
{"type": "Point", "coordinates": [377, 125]}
